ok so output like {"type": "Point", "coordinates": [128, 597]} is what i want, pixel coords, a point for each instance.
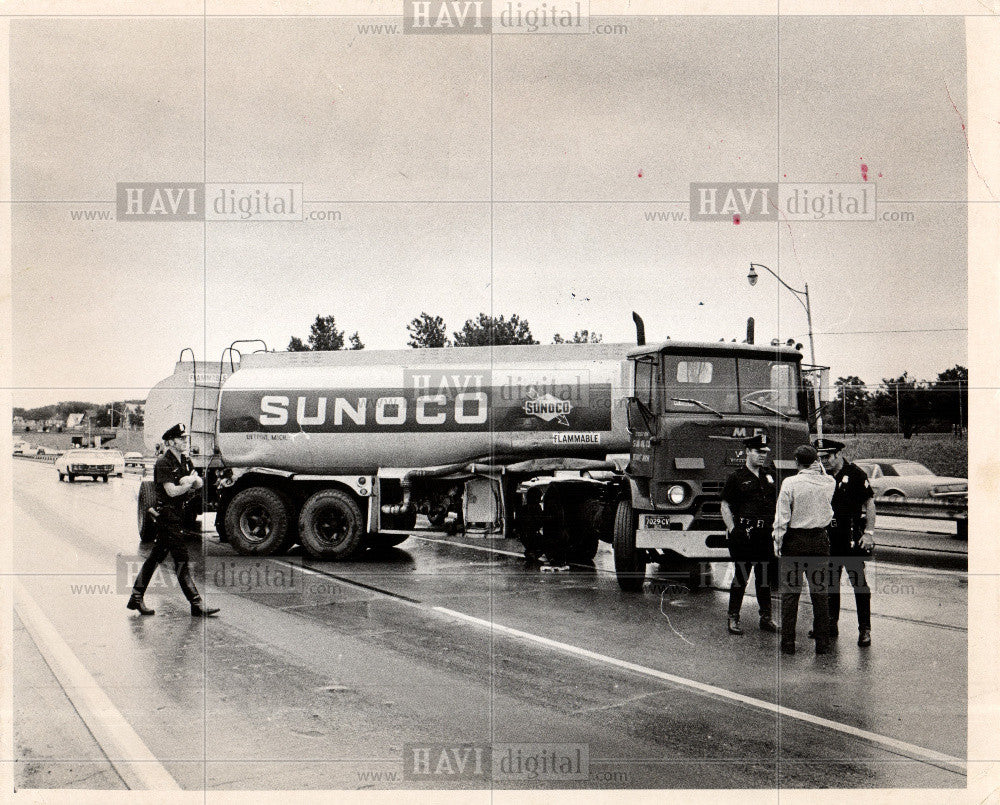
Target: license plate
{"type": "Point", "coordinates": [656, 521]}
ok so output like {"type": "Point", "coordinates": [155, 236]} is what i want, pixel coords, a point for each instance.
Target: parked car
{"type": "Point", "coordinates": [25, 449]}
{"type": "Point", "coordinates": [133, 459]}
{"type": "Point", "coordinates": [91, 462]}
{"type": "Point", "coordinates": [902, 477]}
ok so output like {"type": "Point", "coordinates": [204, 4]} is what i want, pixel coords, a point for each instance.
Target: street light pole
{"type": "Point", "coordinates": [799, 295]}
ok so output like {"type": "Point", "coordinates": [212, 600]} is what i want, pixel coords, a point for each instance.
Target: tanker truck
{"type": "Point", "coordinates": [560, 446]}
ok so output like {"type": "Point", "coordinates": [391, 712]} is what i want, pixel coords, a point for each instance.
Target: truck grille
{"type": "Point", "coordinates": [712, 487]}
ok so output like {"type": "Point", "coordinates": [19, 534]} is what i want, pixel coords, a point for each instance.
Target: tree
{"type": "Point", "coordinates": [902, 399]}
{"type": "Point", "coordinates": [427, 332]}
{"type": "Point", "coordinates": [486, 330]}
{"type": "Point", "coordinates": [579, 337]}
{"type": "Point", "coordinates": [950, 396]}
{"type": "Point", "coordinates": [852, 407]}
{"type": "Point", "coordinates": [324, 336]}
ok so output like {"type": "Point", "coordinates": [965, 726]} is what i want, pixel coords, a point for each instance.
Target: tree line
{"type": "Point", "coordinates": [902, 404]}
{"type": "Point", "coordinates": [430, 332]}
{"type": "Point", "coordinates": [101, 415]}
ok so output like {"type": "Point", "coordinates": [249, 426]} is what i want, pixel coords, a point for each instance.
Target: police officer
{"type": "Point", "coordinates": [852, 534]}
{"type": "Point", "coordinates": [176, 483]}
{"type": "Point", "coordinates": [748, 501]}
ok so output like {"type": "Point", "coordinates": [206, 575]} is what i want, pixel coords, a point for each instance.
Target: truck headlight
{"type": "Point", "coordinates": [675, 494]}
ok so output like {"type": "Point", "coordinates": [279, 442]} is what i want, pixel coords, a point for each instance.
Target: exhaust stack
{"type": "Point", "coordinates": [640, 330]}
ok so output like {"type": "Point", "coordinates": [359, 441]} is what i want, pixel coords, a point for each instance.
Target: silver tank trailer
{"type": "Point", "coordinates": [356, 411]}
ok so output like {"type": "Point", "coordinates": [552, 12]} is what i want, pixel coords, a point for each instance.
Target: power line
{"type": "Point", "coordinates": [871, 332]}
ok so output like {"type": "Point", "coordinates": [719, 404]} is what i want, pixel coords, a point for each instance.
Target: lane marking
{"type": "Point", "coordinates": [471, 547]}
{"type": "Point", "coordinates": [138, 767]}
{"type": "Point", "coordinates": [892, 744]}
{"type": "Point", "coordinates": [947, 762]}
{"type": "Point", "coordinates": [900, 567]}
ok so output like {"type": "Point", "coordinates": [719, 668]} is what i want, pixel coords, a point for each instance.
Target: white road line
{"type": "Point", "coordinates": [470, 547]}
{"type": "Point", "coordinates": [892, 744]}
{"type": "Point", "coordinates": [131, 758]}
{"type": "Point", "coordinates": [880, 565]}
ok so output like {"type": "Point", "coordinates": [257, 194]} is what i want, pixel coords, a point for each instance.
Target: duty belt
{"type": "Point", "coordinates": [845, 522]}
{"type": "Point", "coordinates": [748, 522]}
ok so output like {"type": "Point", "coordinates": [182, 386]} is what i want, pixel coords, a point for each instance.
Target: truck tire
{"type": "Point", "coordinates": [630, 562]}
{"type": "Point", "coordinates": [566, 531]}
{"type": "Point", "coordinates": [331, 525]}
{"type": "Point", "coordinates": [147, 500]}
{"type": "Point", "coordinates": [70, 477]}
{"type": "Point", "coordinates": [257, 521]}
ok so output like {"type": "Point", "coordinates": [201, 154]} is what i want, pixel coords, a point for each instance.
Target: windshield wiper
{"type": "Point", "coordinates": [783, 415]}
{"type": "Point", "coordinates": [699, 403]}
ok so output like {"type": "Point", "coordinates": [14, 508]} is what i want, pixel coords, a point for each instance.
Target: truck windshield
{"type": "Point", "coordinates": [729, 385]}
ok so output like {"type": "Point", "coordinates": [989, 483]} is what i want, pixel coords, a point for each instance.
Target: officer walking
{"type": "Point", "coordinates": [748, 501]}
{"type": "Point", "coordinates": [801, 540]}
{"type": "Point", "coordinates": [852, 535]}
{"type": "Point", "coordinates": [176, 482]}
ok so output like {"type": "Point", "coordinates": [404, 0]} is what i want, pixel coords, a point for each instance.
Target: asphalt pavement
{"type": "Point", "coordinates": [453, 663]}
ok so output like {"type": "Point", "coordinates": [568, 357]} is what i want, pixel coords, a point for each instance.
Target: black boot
{"type": "Point", "coordinates": [865, 637]}
{"type": "Point", "coordinates": [135, 602]}
{"type": "Point", "coordinates": [199, 610]}
{"type": "Point", "coordinates": [734, 625]}
{"type": "Point", "coordinates": [768, 625]}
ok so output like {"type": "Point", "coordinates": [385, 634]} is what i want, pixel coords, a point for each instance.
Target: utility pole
{"type": "Point", "coordinates": [896, 385]}
{"type": "Point", "coordinates": [843, 390]}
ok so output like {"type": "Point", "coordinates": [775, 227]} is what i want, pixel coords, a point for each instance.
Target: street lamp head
{"type": "Point", "coordinates": [752, 276]}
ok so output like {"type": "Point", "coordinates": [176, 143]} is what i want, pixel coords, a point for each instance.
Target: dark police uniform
{"type": "Point", "coordinates": [170, 532]}
{"type": "Point", "coordinates": [751, 499]}
{"type": "Point", "coordinates": [852, 493]}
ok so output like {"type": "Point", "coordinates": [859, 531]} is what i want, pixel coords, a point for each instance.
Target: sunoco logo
{"type": "Point", "coordinates": [547, 407]}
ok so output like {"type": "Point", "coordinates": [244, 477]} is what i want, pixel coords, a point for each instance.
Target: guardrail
{"type": "Point", "coordinates": [928, 509]}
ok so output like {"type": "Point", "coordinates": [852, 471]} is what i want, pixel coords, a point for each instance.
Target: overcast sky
{"type": "Point", "coordinates": [577, 139]}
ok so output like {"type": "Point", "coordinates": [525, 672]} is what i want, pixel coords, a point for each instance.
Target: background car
{"type": "Point", "coordinates": [93, 463]}
{"type": "Point", "coordinates": [133, 459]}
{"type": "Point", "coordinates": [902, 477]}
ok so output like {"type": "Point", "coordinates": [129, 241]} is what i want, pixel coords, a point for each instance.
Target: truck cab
{"type": "Point", "coordinates": [692, 404]}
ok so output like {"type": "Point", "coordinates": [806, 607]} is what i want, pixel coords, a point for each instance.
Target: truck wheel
{"type": "Point", "coordinates": [71, 477]}
{"type": "Point", "coordinates": [257, 521]}
{"type": "Point", "coordinates": [331, 525]}
{"type": "Point", "coordinates": [630, 562]}
{"type": "Point", "coordinates": [147, 500]}
{"type": "Point", "coordinates": [565, 531]}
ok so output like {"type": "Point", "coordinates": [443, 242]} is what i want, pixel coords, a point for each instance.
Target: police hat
{"type": "Point", "coordinates": [758, 442]}
{"type": "Point", "coordinates": [828, 446]}
{"type": "Point", "coordinates": [178, 431]}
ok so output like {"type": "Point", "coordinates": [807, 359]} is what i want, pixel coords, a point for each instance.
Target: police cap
{"type": "Point", "coordinates": [178, 431]}
{"type": "Point", "coordinates": [758, 442]}
{"type": "Point", "coordinates": [828, 446]}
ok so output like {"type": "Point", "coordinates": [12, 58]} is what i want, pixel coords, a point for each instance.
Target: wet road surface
{"type": "Point", "coordinates": [322, 675]}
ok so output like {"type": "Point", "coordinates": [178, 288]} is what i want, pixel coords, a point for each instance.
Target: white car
{"type": "Point", "coordinates": [25, 449]}
{"type": "Point", "coordinates": [91, 462]}
{"type": "Point", "coordinates": [133, 459]}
